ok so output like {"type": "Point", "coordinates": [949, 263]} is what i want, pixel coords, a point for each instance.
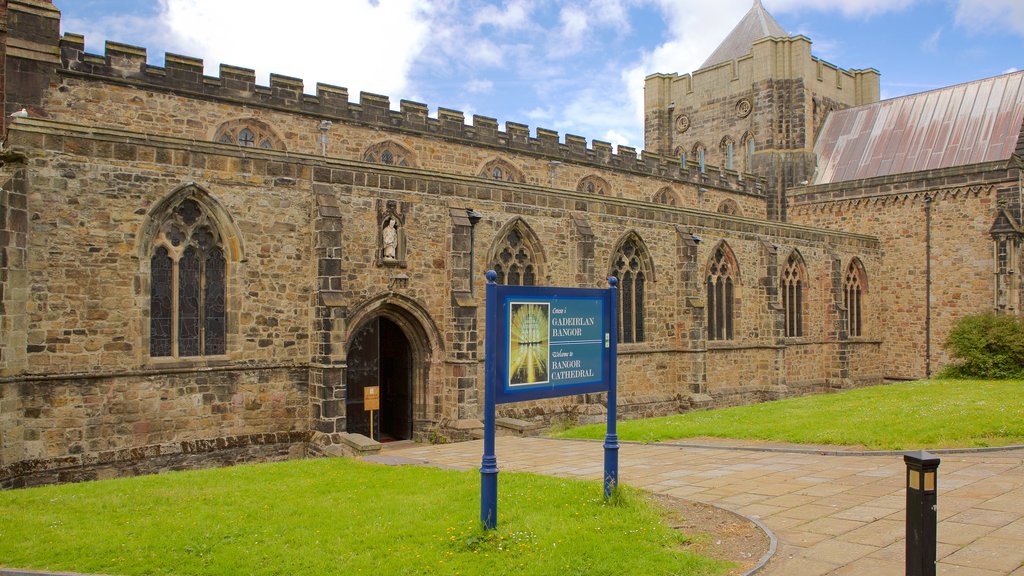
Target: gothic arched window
{"type": "Point", "coordinates": [248, 132]}
{"type": "Point", "coordinates": [730, 207]}
{"type": "Point", "coordinates": [391, 153]}
{"type": "Point", "coordinates": [747, 152]}
{"type": "Point", "coordinates": [593, 185]}
{"type": "Point", "coordinates": [854, 288]}
{"type": "Point", "coordinates": [667, 196]}
{"type": "Point", "coordinates": [499, 169]}
{"type": "Point", "coordinates": [793, 284]}
{"type": "Point", "coordinates": [515, 257]}
{"type": "Point", "coordinates": [727, 147]}
{"type": "Point", "coordinates": [722, 275]}
{"type": "Point", "coordinates": [187, 285]}
{"type": "Point", "coordinates": [631, 268]}
{"type": "Point", "coordinates": [699, 153]}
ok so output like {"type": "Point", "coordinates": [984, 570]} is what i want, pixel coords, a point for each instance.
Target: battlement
{"type": "Point", "coordinates": [184, 75]}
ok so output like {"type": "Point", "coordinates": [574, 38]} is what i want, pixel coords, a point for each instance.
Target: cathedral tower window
{"type": "Point", "coordinates": [722, 274]}
{"type": "Point", "coordinates": [515, 256]}
{"type": "Point", "coordinates": [854, 287]}
{"type": "Point", "coordinates": [187, 285]}
{"type": "Point", "coordinates": [727, 145]}
{"type": "Point", "coordinates": [793, 286]}
{"type": "Point", "coordinates": [593, 185]}
{"type": "Point", "coordinates": [390, 153]}
{"type": "Point", "coordinates": [698, 155]}
{"type": "Point", "coordinates": [631, 267]}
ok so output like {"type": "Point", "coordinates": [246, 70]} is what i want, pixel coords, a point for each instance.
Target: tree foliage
{"type": "Point", "coordinates": [987, 346]}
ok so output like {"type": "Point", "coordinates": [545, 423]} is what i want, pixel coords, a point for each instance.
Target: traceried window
{"type": "Point", "coordinates": [721, 289]}
{"type": "Point", "coordinates": [187, 285]}
{"type": "Point", "coordinates": [248, 132]}
{"type": "Point", "coordinates": [593, 185]}
{"type": "Point", "coordinates": [854, 288]}
{"type": "Point", "coordinates": [667, 196]}
{"type": "Point", "coordinates": [630, 269]}
{"type": "Point", "coordinates": [391, 153]}
{"type": "Point", "coordinates": [729, 206]}
{"type": "Point", "coordinates": [499, 169]}
{"type": "Point", "coordinates": [514, 259]}
{"type": "Point", "coordinates": [793, 284]}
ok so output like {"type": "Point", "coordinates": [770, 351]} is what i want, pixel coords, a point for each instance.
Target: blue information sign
{"type": "Point", "coordinates": [551, 342]}
{"type": "Point", "coordinates": [545, 342]}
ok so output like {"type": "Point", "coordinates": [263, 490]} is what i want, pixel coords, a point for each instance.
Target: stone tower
{"type": "Point", "coordinates": [754, 106]}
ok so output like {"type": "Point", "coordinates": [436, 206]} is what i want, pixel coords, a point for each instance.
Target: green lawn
{"type": "Point", "coordinates": [336, 516]}
{"type": "Point", "coordinates": [924, 414]}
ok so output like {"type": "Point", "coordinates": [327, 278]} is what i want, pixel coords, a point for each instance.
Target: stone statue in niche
{"type": "Point", "coordinates": [389, 236]}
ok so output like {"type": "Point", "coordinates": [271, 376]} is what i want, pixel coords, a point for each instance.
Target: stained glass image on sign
{"type": "Point", "coordinates": [530, 325]}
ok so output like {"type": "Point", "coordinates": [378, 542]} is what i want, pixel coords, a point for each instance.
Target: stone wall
{"type": "Point", "coordinates": [962, 203]}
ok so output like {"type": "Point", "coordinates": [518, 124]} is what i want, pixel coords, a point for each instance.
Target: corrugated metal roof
{"type": "Point", "coordinates": [757, 24]}
{"type": "Point", "coordinates": [964, 124]}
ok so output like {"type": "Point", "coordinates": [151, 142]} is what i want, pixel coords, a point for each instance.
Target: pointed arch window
{"type": "Point", "coordinates": [391, 153]}
{"type": "Point", "coordinates": [499, 169]}
{"type": "Point", "coordinates": [699, 152]}
{"type": "Point", "coordinates": [721, 290]}
{"type": "Point", "coordinates": [594, 185]}
{"type": "Point", "coordinates": [854, 288]}
{"type": "Point", "coordinates": [793, 285]}
{"type": "Point", "coordinates": [730, 207]}
{"type": "Point", "coordinates": [515, 260]}
{"type": "Point", "coordinates": [727, 148]}
{"type": "Point", "coordinates": [248, 132]}
{"type": "Point", "coordinates": [747, 147]}
{"type": "Point", "coordinates": [667, 196]}
{"type": "Point", "coordinates": [630, 268]}
{"type": "Point", "coordinates": [187, 285]}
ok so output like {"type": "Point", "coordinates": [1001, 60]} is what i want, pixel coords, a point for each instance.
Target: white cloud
{"type": "Point", "coordinates": [982, 15]}
{"type": "Point", "coordinates": [930, 44]}
{"type": "Point", "coordinates": [574, 23]}
{"type": "Point", "coordinates": [346, 43]}
{"type": "Point", "coordinates": [516, 15]}
{"type": "Point", "coordinates": [849, 8]}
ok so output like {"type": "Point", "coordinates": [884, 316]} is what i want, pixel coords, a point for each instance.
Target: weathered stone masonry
{"type": "Point", "coordinates": [113, 144]}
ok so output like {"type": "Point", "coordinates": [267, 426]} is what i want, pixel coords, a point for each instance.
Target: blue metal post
{"type": "Point", "coordinates": [489, 464]}
{"type": "Point", "coordinates": [611, 439]}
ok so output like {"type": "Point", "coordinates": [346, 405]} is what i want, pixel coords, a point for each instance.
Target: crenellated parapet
{"type": "Point", "coordinates": [184, 75]}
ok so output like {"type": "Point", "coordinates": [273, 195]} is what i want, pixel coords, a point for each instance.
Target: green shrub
{"type": "Point", "coordinates": [987, 346]}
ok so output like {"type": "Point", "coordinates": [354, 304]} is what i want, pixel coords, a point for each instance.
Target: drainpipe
{"type": "Point", "coordinates": [928, 286]}
{"type": "Point", "coordinates": [324, 126]}
{"type": "Point", "coordinates": [474, 217]}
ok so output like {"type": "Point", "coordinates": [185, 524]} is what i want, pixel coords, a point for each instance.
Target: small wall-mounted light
{"type": "Point", "coordinates": [697, 239]}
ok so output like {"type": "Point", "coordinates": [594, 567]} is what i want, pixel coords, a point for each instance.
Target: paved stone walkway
{"type": "Point", "coordinates": [832, 514]}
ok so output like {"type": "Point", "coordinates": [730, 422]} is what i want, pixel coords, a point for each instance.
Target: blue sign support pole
{"type": "Point", "coordinates": [489, 464]}
{"type": "Point", "coordinates": [611, 439]}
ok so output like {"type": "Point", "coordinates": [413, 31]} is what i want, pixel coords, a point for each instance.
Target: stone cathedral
{"type": "Point", "coordinates": [198, 270]}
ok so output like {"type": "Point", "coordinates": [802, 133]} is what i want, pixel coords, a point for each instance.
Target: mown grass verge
{"type": "Point", "coordinates": [911, 415]}
{"type": "Point", "coordinates": [337, 516]}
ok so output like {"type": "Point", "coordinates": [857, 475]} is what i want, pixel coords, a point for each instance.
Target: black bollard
{"type": "Point", "coordinates": [922, 471]}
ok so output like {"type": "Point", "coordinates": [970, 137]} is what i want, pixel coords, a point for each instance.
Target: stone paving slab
{"type": "Point", "coordinates": [832, 513]}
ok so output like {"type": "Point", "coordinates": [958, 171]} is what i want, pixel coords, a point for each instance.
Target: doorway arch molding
{"type": "Point", "coordinates": [425, 345]}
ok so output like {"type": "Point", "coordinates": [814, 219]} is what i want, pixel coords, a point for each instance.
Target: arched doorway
{"type": "Point", "coordinates": [380, 355]}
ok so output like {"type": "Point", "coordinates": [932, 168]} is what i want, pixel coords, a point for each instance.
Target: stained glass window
{"type": "Point", "coordinates": [793, 284]}
{"type": "Point", "coordinates": [515, 261]}
{"type": "Point", "coordinates": [853, 295]}
{"type": "Point", "coordinates": [187, 285]}
{"type": "Point", "coordinates": [721, 294]}
{"type": "Point", "coordinates": [629, 268]}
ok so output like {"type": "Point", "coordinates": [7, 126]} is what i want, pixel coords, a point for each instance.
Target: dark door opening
{"type": "Point", "coordinates": [379, 355]}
